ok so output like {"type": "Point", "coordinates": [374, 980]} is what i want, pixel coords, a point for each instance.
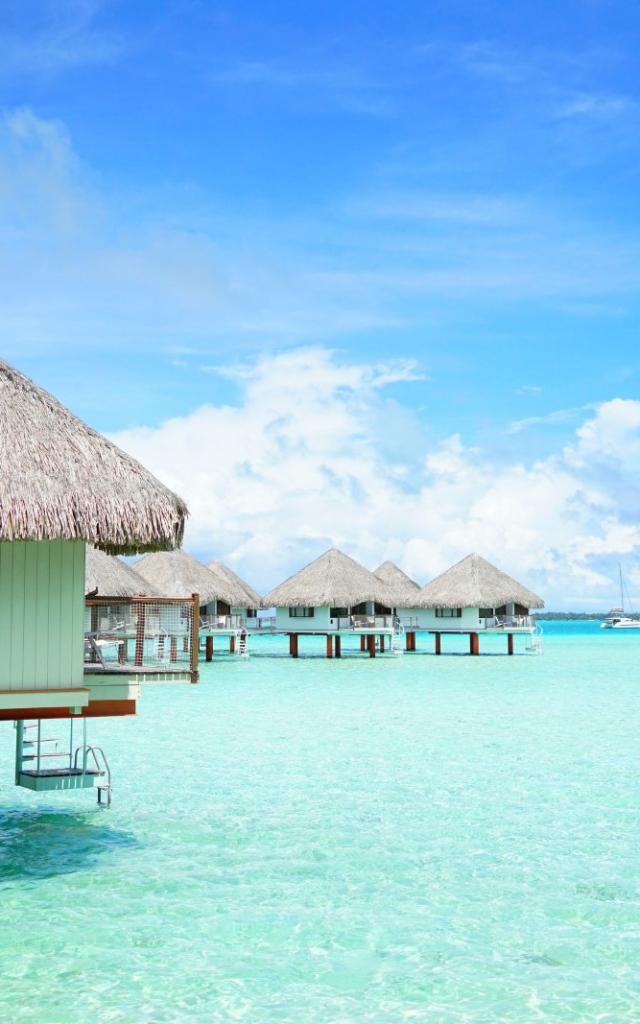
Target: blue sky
{"type": "Point", "coordinates": [444, 196]}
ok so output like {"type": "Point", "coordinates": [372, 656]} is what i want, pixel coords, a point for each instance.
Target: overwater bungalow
{"type": "Point", "coordinates": [175, 573]}
{"type": "Point", "coordinates": [244, 600]}
{"type": "Point", "coordinates": [108, 576]}
{"type": "Point", "coordinates": [474, 597]}
{"type": "Point", "coordinates": [334, 596]}
{"type": "Point", "coordinates": [396, 579]}
{"type": "Point", "coordinates": [62, 486]}
{"type": "Point", "coordinates": [403, 592]}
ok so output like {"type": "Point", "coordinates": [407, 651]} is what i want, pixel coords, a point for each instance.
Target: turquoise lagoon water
{"type": "Point", "coordinates": [406, 839]}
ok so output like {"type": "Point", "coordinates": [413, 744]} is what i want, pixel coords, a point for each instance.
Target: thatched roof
{"type": "Point", "coordinates": [403, 587]}
{"type": "Point", "coordinates": [475, 583]}
{"type": "Point", "coordinates": [61, 480]}
{"type": "Point", "coordinates": [177, 574]}
{"type": "Point", "coordinates": [333, 579]}
{"type": "Point", "coordinates": [108, 576]}
{"type": "Point", "coordinates": [244, 596]}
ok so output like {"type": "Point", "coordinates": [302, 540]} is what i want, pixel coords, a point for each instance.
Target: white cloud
{"type": "Point", "coordinates": [598, 106]}
{"type": "Point", "coordinates": [60, 34]}
{"type": "Point", "coordinates": [557, 416]}
{"type": "Point", "coordinates": [298, 465]}
{"type": "Point", "coordinates": [310, 82]}
{"type": "Point", "coordinates": [470, 210]}
{"type": "Point", "coordinates": [612, 435]}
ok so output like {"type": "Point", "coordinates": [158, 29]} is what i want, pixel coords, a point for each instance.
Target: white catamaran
{"type": "Point", "coordinates": [617, 617]}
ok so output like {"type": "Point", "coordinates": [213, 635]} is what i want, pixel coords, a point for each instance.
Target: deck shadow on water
{"type": "Point", "coordinates": [40, 843]}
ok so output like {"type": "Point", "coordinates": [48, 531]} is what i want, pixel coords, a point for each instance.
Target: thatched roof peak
{"type": "Point", "coordinates": [61, 480]}
{"type": "Point", "coordinates": [244, 596]}
{"type": "Point", "coordinates": [475, 583]}
{"type": "Point", "coordinates": [402, 585]}
{"type": "Point", "coordinates": [108, 576]}
{"type": "Point", "coordinates": [177, 574]}
{"type": "Point", "coordinates": [334, 579]}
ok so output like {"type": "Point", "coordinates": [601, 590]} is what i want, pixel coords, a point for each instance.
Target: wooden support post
{"type": "Point", "coordinates": [438, 643]}
{"type": "Point", "coordinates": [195, 637]}
{"type": "Point", "coordinates": [371, 642]}
{"type": "Point", "coordinates": [94, 630]}
{"type": "Point", "coordinates": [338, 646]}
{"type": "Point", "coordinates": [474, 644]}
{"type": "Point", "coordinates": [19, 749]}
{"type": "Point", "coordinates": [208, 645]}
{"type": "Point", "coordinates": [381, 643]}
{"type": "Point", "coordinates": [140, 628]}
{"type": "Point", "coordinates": [293, 645]}
{"type": "Point", "coordinates": [232, 645]}
{"type": "Point", "coordinates": [509, 643]}
{"type": "Point", "coordinates": [329, 646]}
{"type": "Point", "coordinates": [363, 642]}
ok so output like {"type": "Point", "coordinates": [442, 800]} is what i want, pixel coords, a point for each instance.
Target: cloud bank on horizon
{"type": "Point", "coordinates": [315, 454]}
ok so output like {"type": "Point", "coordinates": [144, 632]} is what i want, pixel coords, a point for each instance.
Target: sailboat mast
{"type": "Point", "coordinates": [621, 586]}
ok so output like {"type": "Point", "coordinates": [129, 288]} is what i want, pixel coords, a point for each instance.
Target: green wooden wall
{"type": "Point", "coordinates": [41, 614]}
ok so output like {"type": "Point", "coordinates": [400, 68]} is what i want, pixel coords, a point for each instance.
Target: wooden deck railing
{"type": "Point", "coordinates": [145, 635]}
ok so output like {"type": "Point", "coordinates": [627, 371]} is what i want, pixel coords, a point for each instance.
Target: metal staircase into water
{"type": "Point", "coordinates": [43, 767]}
{"type": "Point", "coordinates": [243, 644]}
{"type": "Point", "coordinates": [536, 641]}
{"type": "Point", "coordinates": [397, 639]}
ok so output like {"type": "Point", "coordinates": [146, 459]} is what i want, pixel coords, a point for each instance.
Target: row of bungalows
{"type": "Point", "coordinates": [227, 603]}
{"type": "Point", "coordinates": [63, 486]}
{"type": "Point", "coordinates": [334, 595]}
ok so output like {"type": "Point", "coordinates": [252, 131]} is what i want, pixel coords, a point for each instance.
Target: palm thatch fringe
{"type": "Point", "coordinates": [332, 580]}
{"type": "Point", "coordinates": [177, 574]}
{"type": "Point", "coordinates": [61, 480]}
{"type": "Point", "coordinates": [475, 583]}
{"type": "Point", "coordinates": [244, 596]}
{"type": "Point", "coordinates": [106, 576]}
